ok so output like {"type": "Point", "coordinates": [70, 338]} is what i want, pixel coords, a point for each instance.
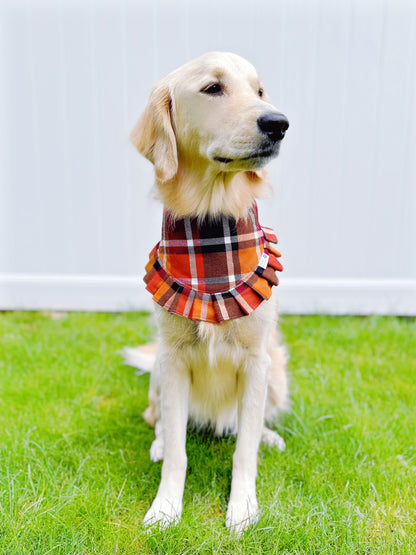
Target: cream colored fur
{"type": "Point", "coordinates": [231, 376]}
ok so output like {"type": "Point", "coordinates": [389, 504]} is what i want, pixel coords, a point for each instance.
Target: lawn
{"type": "Point", "coordinates": [75, 474]}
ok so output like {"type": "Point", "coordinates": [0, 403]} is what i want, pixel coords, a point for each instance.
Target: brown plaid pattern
{"type": "Point", "coordinates": [213, 270]}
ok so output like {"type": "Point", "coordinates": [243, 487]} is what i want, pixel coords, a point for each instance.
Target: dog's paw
{"type": "Point", "coordinates": [156, 450]}
{"type": "Point", "coordinates": [163, 513]}
{"type": "Point", "coordinates": [241, 515]}
{"type": "Point", "coordinates": [272, 439]}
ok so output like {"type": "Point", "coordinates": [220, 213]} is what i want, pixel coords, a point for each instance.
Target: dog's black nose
{"type": "Point", "coordinates": [274, 125]}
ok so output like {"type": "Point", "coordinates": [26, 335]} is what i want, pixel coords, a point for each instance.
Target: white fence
{"type": "Point", "coordinates": [76, 217]}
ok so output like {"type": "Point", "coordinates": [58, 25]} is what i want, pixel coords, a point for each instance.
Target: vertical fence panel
{"type": "Point", "coordinates": [76, 215]}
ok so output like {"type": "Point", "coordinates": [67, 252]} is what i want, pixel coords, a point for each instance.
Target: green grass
{"type": "Point", "coordinates": [75, 474]}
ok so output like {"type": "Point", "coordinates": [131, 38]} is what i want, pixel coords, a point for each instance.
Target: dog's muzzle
{"type": "Point", "coordinates": [274, 125]}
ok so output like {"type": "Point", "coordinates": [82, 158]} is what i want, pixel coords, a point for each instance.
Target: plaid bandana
{"type": "Point", "coordinates": [214, 270]}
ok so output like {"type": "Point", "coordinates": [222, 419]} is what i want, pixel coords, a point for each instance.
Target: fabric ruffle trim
{"type": "Point", "coordinates": [214, 307]}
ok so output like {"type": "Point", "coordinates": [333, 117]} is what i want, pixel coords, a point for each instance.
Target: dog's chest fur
{"type": "Point", "coordinates": [216, 356]}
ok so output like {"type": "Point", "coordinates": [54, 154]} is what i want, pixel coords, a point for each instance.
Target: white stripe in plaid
{"type": "Point", "coordinates": [191, 253]}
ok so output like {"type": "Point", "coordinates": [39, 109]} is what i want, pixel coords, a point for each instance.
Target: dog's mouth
{"type": "Point", "coordinates": [263, 153]}
{"type": "Point", "coordinates": [223, 160]}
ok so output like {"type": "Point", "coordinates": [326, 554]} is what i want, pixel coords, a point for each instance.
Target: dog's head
{"type": "Point", "coordinates": [212, 113]}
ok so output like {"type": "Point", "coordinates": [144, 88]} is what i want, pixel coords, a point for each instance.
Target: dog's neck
{"type": "Point", "coordinates": [198, 190]}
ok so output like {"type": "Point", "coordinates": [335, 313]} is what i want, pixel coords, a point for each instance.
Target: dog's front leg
{"type": "Point", "coordinates": [252, 387]}
{"type": "Point", "coordinates": [167, 507]}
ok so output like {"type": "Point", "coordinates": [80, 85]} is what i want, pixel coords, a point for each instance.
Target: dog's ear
{"type": "Point", "coordinates": [154, 136]}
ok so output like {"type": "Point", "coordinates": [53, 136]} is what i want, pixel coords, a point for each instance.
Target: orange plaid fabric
{"type": "Point", "coordinates": [213, 270]}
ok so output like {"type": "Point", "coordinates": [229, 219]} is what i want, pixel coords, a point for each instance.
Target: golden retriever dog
{"type": "Point", "coordinates": [209, 129]}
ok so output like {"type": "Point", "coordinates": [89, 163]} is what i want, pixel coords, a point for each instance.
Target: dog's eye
{"type": "Point", "coordinates": [213, 89]}
{"type": "Point", "coordinates": [261, 92]}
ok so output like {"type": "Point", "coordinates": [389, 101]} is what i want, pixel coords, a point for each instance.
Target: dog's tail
{"type": "Point", "coordinates": [142, 357]}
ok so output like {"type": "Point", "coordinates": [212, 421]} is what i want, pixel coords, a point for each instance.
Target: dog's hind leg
{"type": "Point", "coordinates": [278, 386]}
{"type": "Point", "coordinates": [157, 447]}
{"type": "Point", "coordinates": [277, 391]}
{"type": "Point", "coordinates": [152, 414]}
{"type": "Point", "coordinates": [272, 439]}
